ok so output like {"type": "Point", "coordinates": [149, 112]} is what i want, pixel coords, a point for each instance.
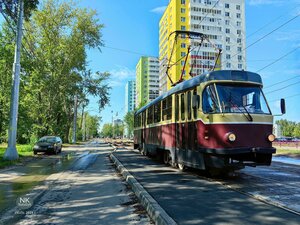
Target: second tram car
{"type": "Point", "coordinates": [219, 120]}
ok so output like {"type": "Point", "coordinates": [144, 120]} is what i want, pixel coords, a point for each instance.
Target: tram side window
{"type": "Point", "coordinates": [177, 107]}
{"type": "Point", "coordinates": [169, 108]}
{"type": "Point", "coordinates": [164, 109]}
{"type": "Point", "coordinates": [150, 115]}
{"type": "Point", "coordinates": [157, 112]}
{"type": "Point", "coordinates": [209, 100]}
{"type": "Point", "coordinates": [182, 107]}
{"type": "Point", "coordinates": [189, 105]}
{"type": "Point", "coordinates": [195, 109]}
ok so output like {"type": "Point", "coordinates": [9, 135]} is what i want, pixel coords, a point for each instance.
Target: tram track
{"type": "Point", "coordinates": [186, 181]}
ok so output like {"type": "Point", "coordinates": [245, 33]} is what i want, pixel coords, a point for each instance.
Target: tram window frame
{"type": "Point", "coordinates": [189, 105]}
{"type": "Point", "coordinates": [157, 111]}
{"type": "Point", "coordinates": [169, 107]}
{"type": "Point", "coordinates": [150, 115]}
{"type": "Point", "coordinates": [176, 107]}
{"type": "Point", "coordinates": [164, 108]}
{"type": "Point", "coordinates": [182, 107]}
{"type": "Point", "coordinates": [195, 108]}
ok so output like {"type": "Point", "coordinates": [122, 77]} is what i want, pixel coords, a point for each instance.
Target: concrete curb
{"type": "Point", "coordinates": [154, 210]}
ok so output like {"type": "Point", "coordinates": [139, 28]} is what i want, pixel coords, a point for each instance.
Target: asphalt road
{"type": "Point", "coordinates": [88, 191]}
{"type": "Point", "coordinates": [188, 199]}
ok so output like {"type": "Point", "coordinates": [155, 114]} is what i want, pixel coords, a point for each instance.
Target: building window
{"type": "Point", "coordinates": [240, 66]}
{"type": "Point", "coordinates": [239, 49]}
{"type": "Point", "coordinates": [228, 56]}
{"type": "Point", "coordinates": [228, 65]}
{"type": "Point", "coordinates": [239, 40]}
{"type": "Point", "coordinates": [239, 57]}
{"type": "Point", "coordinates": [227, 30]}
{"type": "Point", "coordinates": [239, 32]}
{"type": "Point", "coordinates": [238, 23]}
{"type": "Point", "coordinates": [227, 48]}
{"type": "Point", "coordinates": [238, 15]}
{"type": "Point", "coordinates": [226, 5]}
{"type": "Point", "coordinates": [182, 19]}
{"type": "Point", "coordinates": [182, 54]}
{"type": "Point", "coordinates": [182, 27]}
{"type": "Point", "coordinates": [182, 2]}
{"type": "Point", "coordinates": [226, 22]}
{"type": "Point", "coordinates": [182, 10]}
{"type": "Point", "coordinates": [238, 7]}
{"type": "Point", "coordinates": [227, 39]}
{"type": "Point", "coordinates": [227, 14]}
{"type": "Point", "coordinates": [183, 45]}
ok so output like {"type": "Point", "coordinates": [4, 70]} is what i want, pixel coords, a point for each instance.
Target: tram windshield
{"type": "Point", "coordinates": [229, 98]}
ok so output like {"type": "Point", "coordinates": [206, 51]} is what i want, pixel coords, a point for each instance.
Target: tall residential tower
{"type": "Point", "coordinates": [222, 22]}
{"type": "Point", "coordinates": [147, 80]}
{"type": "Point", "coordinates": [130, 91]}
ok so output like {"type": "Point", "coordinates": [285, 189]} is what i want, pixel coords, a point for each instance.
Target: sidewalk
{"type": "Point", "coordinates": [89, 193]}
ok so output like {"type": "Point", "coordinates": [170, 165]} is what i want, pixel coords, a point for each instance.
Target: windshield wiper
{"type": "Point", "coordinates": [248, 115]}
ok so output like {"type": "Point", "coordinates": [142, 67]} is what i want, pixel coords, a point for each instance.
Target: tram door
{"type": "Point", "coordinates": [180, 121]}
{"type": "Point", "coordinates": [143, 127]}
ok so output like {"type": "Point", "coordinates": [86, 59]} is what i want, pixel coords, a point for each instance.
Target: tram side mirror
{"type": "Point", "coordinates": [282, 105]}
{"type": "Point", "coordinates": [195, 101]}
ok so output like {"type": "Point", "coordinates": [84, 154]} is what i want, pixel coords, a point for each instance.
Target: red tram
{"type": "Point", "coordinates": [218, 121]}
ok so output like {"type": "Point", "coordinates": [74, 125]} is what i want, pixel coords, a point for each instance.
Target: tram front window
{"type": "Point", "coordinates": [234, 99]}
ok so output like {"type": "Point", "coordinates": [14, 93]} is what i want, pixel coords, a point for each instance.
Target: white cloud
{"type": "Point", "coordinates": [120, 76]}
{"type": "Point", "coordinates": [159, 10]}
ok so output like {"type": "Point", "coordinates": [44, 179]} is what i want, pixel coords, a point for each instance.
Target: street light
{"type": "Point", "coordinates": [11, 152]}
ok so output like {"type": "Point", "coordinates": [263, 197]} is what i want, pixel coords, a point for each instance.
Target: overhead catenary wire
{"type": "Point", "coordinates": [264, 36]}
{"type": "Point", "coordinates": [280, 82]}
{"type": "Point", "coordinates": [279, 89]}
{"type": "Point", "coordinates": [280, 58]}
{"type": "Point", "coordinates": [291, 96]}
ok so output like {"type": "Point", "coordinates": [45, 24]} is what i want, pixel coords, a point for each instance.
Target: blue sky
{"type": "Point", "coordinates": [133, 25]}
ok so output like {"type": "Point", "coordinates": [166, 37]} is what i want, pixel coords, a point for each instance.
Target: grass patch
{"type": "Point", "coordinates": [24, 151]}
{"type": "Point", "coordinates": [289, 152]}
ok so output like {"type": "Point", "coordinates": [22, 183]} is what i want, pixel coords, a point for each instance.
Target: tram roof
{"type": "Point", "coordinates": [220, 75]}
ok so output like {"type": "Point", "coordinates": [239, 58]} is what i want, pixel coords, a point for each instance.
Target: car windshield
{"type": "Point", "coordinates": [47, 139]}
{"type": "Point", "coordinates": [229, 98]}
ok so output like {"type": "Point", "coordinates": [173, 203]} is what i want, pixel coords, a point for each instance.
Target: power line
{"type": "Point", "coordinates": [278, 59]}
{"type": "Point", "coordinates": [258, 40]}
{"type": "Point", "coordinates": [291, 96]}
{"type": "Point", "coordinates": [279, 89]}
{"type": "Point", "coordinates": [282, 81]}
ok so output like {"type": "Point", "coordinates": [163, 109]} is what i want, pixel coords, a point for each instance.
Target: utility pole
{"type": "Point", "coordinates": [75, 120]}
{"type": "Point", "coordinates": [112, 123]}
{"type": "Point", "coordinates": [11, 152]}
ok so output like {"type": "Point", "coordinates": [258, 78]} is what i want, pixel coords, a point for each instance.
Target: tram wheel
{"type": "Point", "coordinates": [181, 166]}
{"type": "Point", "coordinates": [167, 157]}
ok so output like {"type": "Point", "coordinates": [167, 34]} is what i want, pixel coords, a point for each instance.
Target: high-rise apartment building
{"type": "Point", "coordinates": [223, 23]}
{"type": "Point", "coordinates": [130, 90]}
{"type": "Point", "coordinates": [147, 80]}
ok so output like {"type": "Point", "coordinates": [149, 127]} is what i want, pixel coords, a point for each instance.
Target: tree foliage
{"type": "Point", "coordinates": [289, 128]}
{"type": "Point", "coordinates": [54, 69]}
{"type": "Point", "coordinates": [129, 120]}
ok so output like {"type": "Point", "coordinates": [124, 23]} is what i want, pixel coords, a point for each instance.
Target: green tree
{"type": "Point", "coordinates": [296, 132]}
{"type": "Point", "coordinates": [287, 127]}
{"type": "Point", "coordinates": [54, 69]}
{"type": "Point", "coordinates": [107, 130]}
{"type": "Point", "coordinates": [129, 120]}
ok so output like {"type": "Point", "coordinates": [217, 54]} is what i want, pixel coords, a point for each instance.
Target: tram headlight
{"type": "Point", "coordinates": [271, 137]}
{"type": "Point", "coordinates": [231, 137]}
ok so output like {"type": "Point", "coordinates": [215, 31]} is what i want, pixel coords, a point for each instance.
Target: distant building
{"type": "Point", "coordinates": [277, 130]}
{"type": "Point", "coordinates": [147, 80]}
{"type": "Point", "coordinates": [224, 25]}
{"type": "Point", "coordinates": [130, 96]}
{"type": "Point", "coordinates": [118, 122]}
